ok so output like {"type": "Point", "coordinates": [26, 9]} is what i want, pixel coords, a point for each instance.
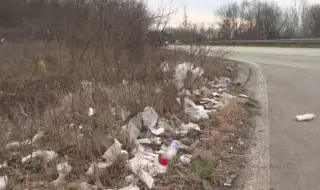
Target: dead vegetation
{"type": "Point", "coordinates": [99, 58]}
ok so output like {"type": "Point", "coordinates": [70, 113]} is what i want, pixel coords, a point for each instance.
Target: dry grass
{"type": "Point", "coordinates": [56, 104]}
{"type": "Point", "coordinates": [124, 74]}
{"type": "Point", "coordinates": [221, 133]}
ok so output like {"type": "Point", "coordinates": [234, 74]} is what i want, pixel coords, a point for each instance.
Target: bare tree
{"type": "Point", "coordinates": [311, 21]}
{"type": "Point", "coordinates": [229, 25]}
{"type": "Point", "coordinates": [270, 20]}
{"type": "Point", "coordinates": [291, 27]}
{"type": "Point", "coordinates": [257, 20]}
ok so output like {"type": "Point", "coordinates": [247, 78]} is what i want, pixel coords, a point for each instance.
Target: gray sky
{"type": "Point", "coordinates": [202, 11]}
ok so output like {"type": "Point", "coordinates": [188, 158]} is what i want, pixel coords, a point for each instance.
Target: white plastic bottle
{"type": "Point", "coordinates": [170, 153]}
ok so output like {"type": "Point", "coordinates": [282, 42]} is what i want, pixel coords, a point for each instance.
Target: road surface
{"type": "Point", "coordinates": [292, 77]}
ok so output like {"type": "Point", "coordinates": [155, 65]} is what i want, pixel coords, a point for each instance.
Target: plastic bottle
{"type": "Point", "coordinates": [170, 153]}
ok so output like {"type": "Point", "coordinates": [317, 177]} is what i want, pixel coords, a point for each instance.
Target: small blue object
{"type": "Point", "coordinates": [175, 145]}
{"type": "Point", "coordinates": [225, 80]}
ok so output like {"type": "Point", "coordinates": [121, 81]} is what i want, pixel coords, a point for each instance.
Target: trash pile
{"type": "Point", "coordinates": [156, 141]}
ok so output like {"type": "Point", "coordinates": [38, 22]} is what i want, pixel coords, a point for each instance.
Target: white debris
{"type": "Point", "coordinates": [48, 155]}
{"type": "Point", "coordinates": [243, 96]}
{"type": "Point", "coordinates": [179, 101]}
{"type": "Point", "coordinates": [113, 111]}
{"type": "Point", "coordinates": [17, 144]}
{"type": "Point", "coordinates": [13, 145]}
{"type": "Point", "coordinates": [240, 142]}
{"type": "Point", "coordinates": [163, 124]}
{"type": "Point", "coordinates": [154, 140]}
{"type": "Point", "coordinates": [196, 92]}
{"type": "Point", "coordinates": [215, 94]}
{"type": "Point", "coordinates": [134, 126]}
{"type": "Point", "coordinates": [3, 182]}
{"type": "Point", "coordinates": [158, 131]}
{"type": "Point", "coordinates": [186, 158]}
{"type": "Point", "coordinates": [224, 80]}
{"type": "Point", "coordinates": [2, 40]}
{"type": "Point", "coordinates": [124, 155]}
{"type": "Point", "coordinates": [146, 165]}
{"type": "Point", "coordinates": [181, 72]}
{"type": "Point", "coordinates": [194, 111]}
{"type": "Point", "coordinates": [87, 186]}
{"type": "Point", "coordinates": [4, 165]}
{"type": "Point", "coordinates": [113, 152]}
{"type": "Point", "coordinates": [38, 136]}
{"type": "Point", "coordinates": [26, 142]}
{"type": "Point", "coordinates": [130, 180]}
{"type": "Point", "coordinates": [230, 178]}
{"type": "Point", "coordinates": [97, 168]}
{"type": "Point", "coordinates": [158, 90]}
{"type": "Point", "coordinates": [131, 187]}
{"type": "Point", "coordinates": [305, 117]}
{"type": "Point", "coordinates": [125, 82]}
{"type": "Point", "coordinates": [63, 170]}
{"type": "Point", "coordinates": [184, 92]}
{"type": "Point", "coordinates": [185, 128]}
{"type": "Point", "coordinates": [91, 112]}
{"type": "Point", "coordinates": [124, 127]}
{"type": "Point", "coordinates": [149, 117]}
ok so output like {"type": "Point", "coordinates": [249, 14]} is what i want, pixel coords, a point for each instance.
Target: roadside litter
{"type": "Point", "coordinates": [148, 134]}
{"type": "Point", "coordinates": [181, 72]}
{"type": "Point", "coordinates": [186, 158]}
{"type": "Point", "coordinates": [225, 80]}
{"type": "Point", "coordinates": [97, 168]}
{"type": "Point", "coordinates": [47, 155]}
{"type": "Point", "coordinates": [305, 117]}
{"type": "Point", "coordinates": [3, 182]}
{"type": "Point", "coordinates": [87, 186]}
{"type": "Point", "coordinates": [63, 170]}
{"type": "Point", "coordinates": [243, 96]}
{"type": "Point", "coordinates": [112, 154]}
{"type": "Point", "coordinates": [170, 153]}
{"type": "Point", "coordinates": [91, 112]}
{"type": "Point", "coordinates": [196, 112]}
{"type": "Point", "coordinates": [34, 140]}
{"type": "Point", "coordinates": [145, 165]}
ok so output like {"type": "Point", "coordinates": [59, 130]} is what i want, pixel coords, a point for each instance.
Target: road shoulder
{"type": "Point", "coordinates": [257, 171]}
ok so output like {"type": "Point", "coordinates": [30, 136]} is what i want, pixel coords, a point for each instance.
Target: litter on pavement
{"type": "Point", "coordinates": [305, 117]}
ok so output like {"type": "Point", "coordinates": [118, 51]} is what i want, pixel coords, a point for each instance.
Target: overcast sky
{"type": "Point", "coordinates": [202, 11]}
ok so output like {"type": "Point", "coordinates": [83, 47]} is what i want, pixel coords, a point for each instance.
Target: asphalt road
{"type": "Point", "coordinates": [292, 77]}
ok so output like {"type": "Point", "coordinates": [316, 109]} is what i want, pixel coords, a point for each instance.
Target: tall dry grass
{"type": "Point", "coordinates": [101, 43]}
